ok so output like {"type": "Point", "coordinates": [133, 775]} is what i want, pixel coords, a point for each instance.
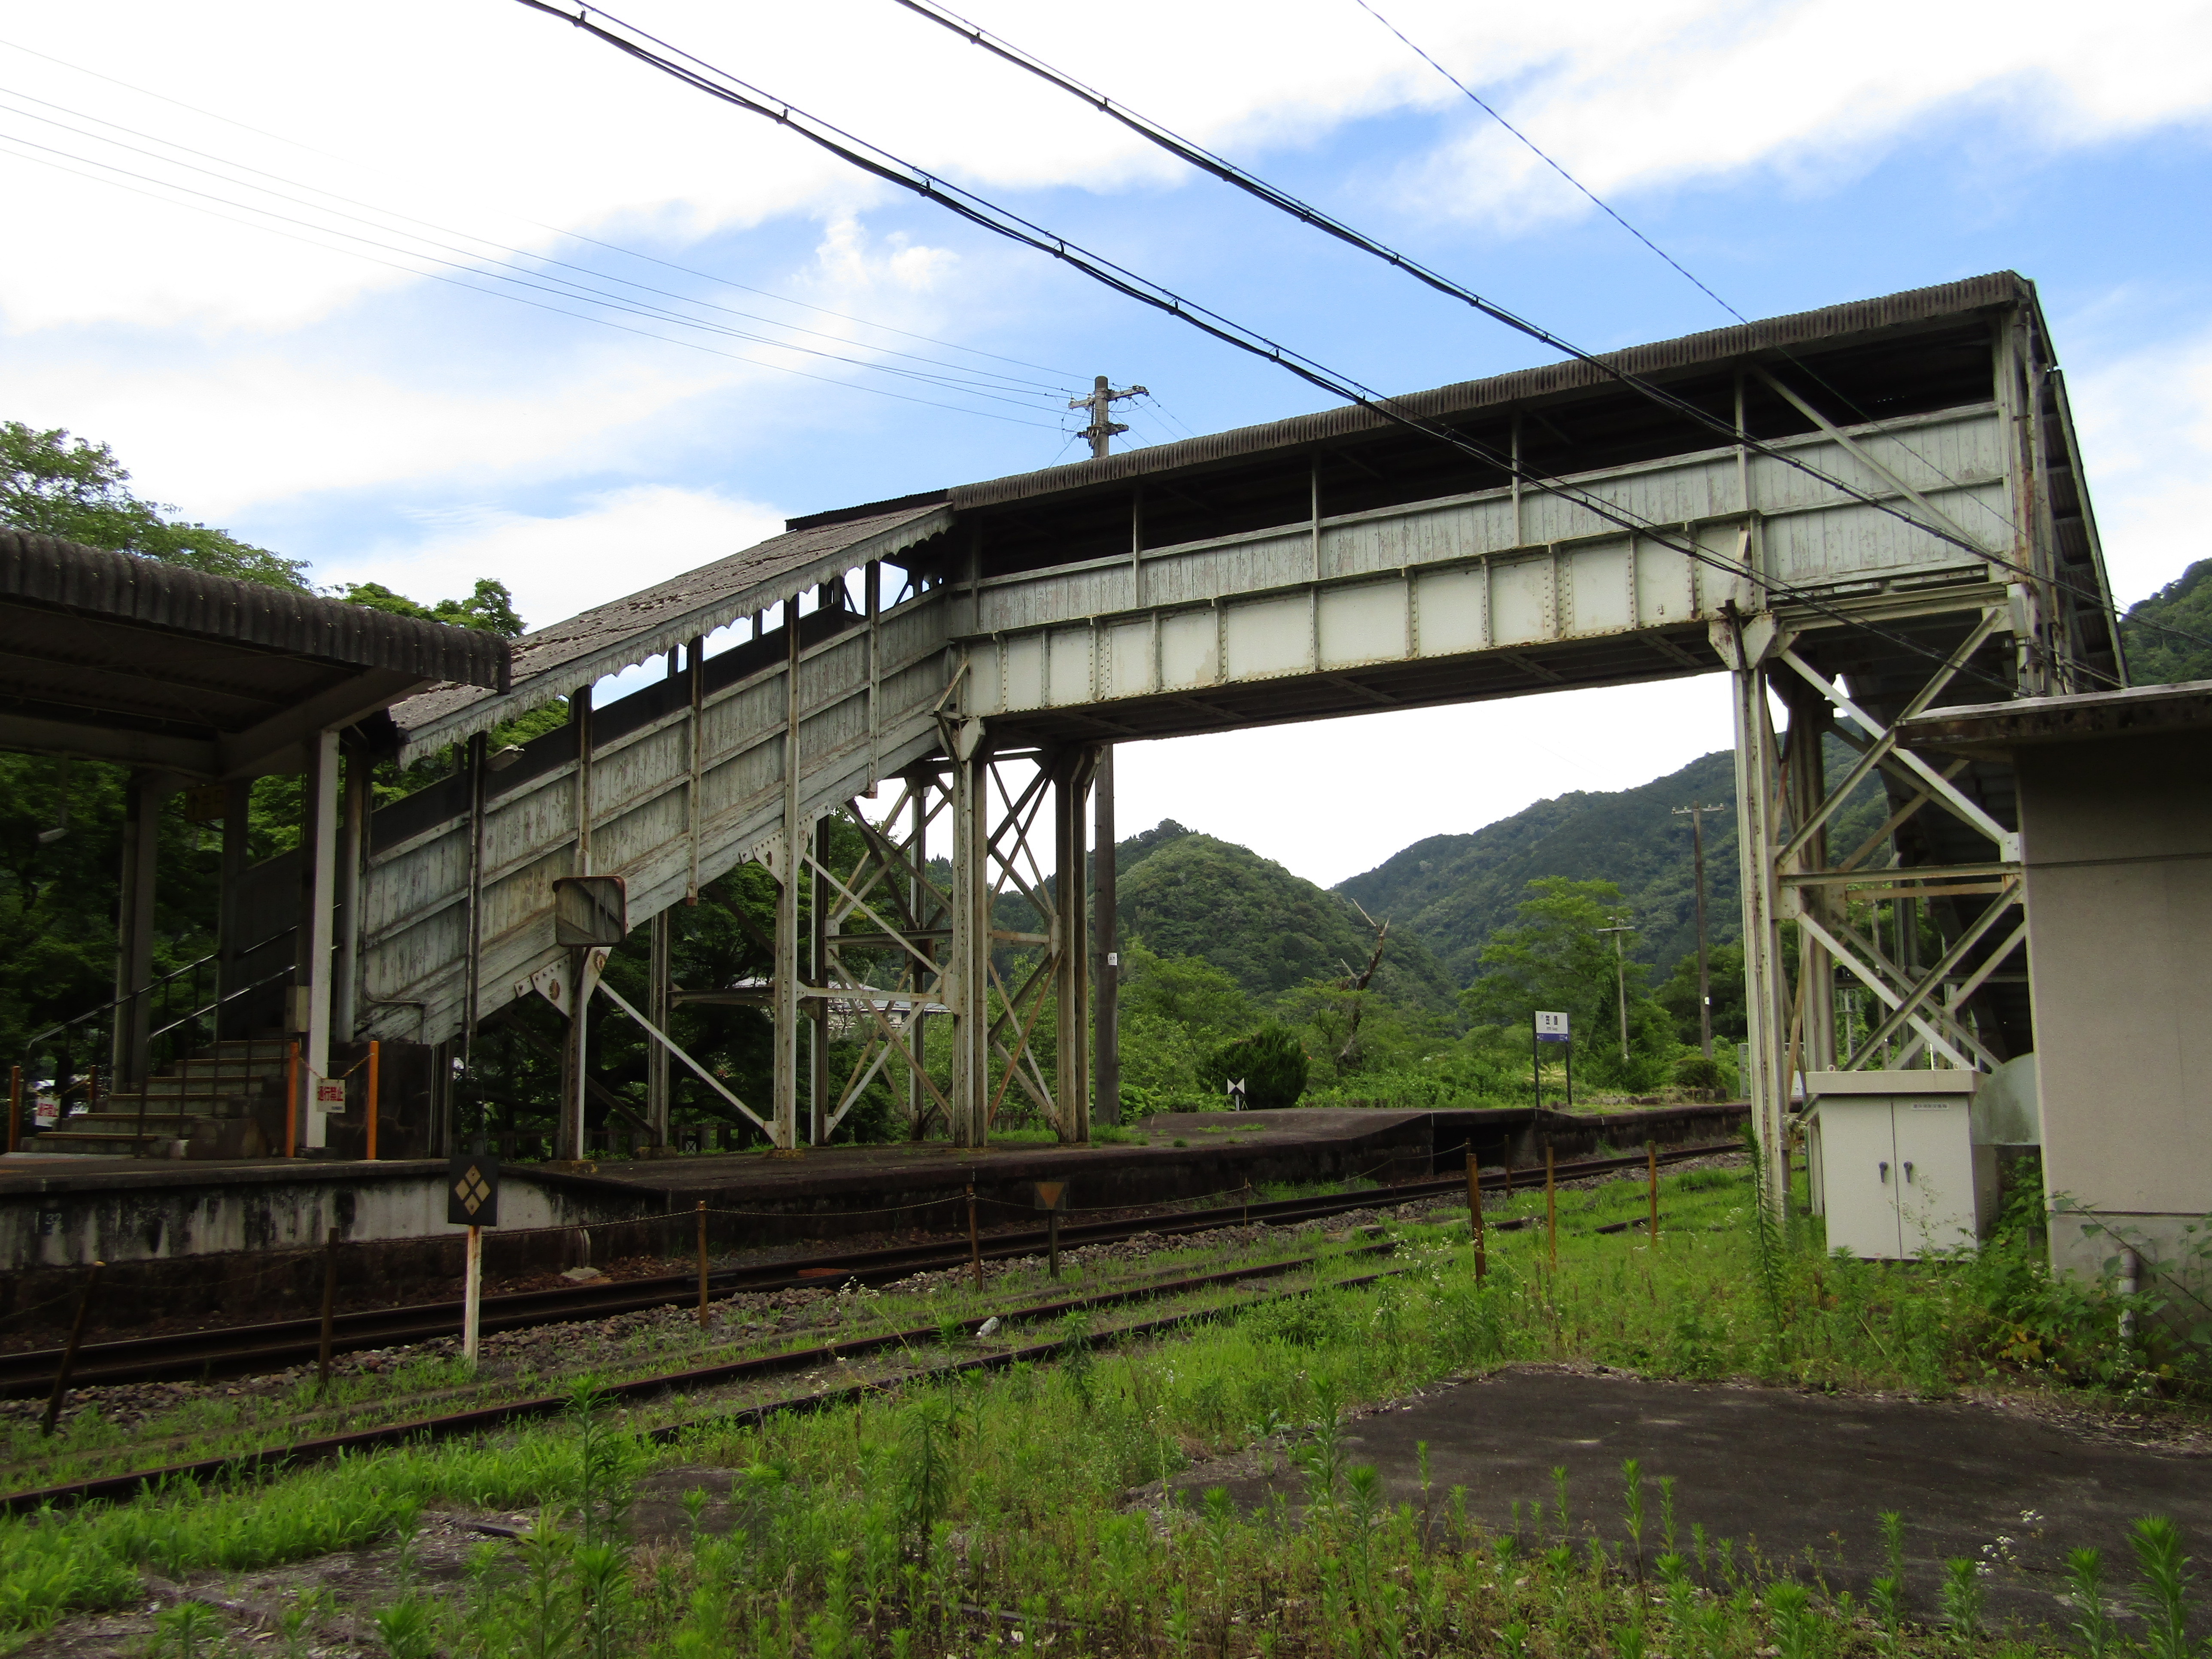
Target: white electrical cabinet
{"type": "Point", "coordinates": [1894, 1162]}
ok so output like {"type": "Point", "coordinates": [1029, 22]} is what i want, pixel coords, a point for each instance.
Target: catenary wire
{"type": "Point", "coordinates": [558, 230]}
{"type": "Point", "coordinates": [996, 386]}
{"type": "Point", "coordinates": [517, 299]}
{"type": "Point", "coordinates": [1228, 172]}
{"type": "Point", "coordinates": [568, 290]}
{"type": "Point", "coordinates": [1695, 281]}
{"type": "Point", "coordinates": [883, 164]}
{"type": "Point", "coordinates": [1488, 109]}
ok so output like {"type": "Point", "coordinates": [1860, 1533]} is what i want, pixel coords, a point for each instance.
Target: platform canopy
{"type": "Point", "coordinates": [128, 659]}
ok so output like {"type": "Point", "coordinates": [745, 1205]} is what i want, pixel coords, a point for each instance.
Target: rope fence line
{"type": "Point", "coordinates": [40, 1307]}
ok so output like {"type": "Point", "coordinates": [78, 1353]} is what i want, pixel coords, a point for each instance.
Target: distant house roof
{"type": "Point", "coordinates": [131, 660]}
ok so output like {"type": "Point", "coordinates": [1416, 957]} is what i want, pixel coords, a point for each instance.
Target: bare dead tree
{"type": "Point", "coordinates": [1348, 1055]}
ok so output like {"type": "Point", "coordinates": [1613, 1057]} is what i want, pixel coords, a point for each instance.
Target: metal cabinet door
{"type": "Point", "coordinates": [1859, 1173]}
{"type": "Point", "coordinates": [1935, 1158]}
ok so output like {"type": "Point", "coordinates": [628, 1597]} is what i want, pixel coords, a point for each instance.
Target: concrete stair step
{"type": "Point", "coordinates": [201, 1088]}
{"type": "Point", "coordinates": [127, 1122]}
{"type": "Point", "coordinates": [96, 1145]}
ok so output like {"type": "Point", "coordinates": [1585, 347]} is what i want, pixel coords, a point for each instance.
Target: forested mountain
{"type": "Point", "coordinates": [1455, 891]}
{"type": "Point", "coordinates": [1188, 894]}
{"type": "Point", "coordinates": [2169, 635]}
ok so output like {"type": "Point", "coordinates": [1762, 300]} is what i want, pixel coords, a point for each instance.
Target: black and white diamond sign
{"type": "Point", "coordinates": [472, 1191]}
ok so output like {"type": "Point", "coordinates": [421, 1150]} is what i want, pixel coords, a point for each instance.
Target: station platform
{"type": "Point", "coordinates": [245, 1238]}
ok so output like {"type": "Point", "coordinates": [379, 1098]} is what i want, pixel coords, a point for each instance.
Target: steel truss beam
{"type": "Point", "coordinates": [1786, 805]}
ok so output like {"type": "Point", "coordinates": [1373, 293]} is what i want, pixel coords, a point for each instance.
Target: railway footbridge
{"type": "Point", "coordinates": [1867, 511]}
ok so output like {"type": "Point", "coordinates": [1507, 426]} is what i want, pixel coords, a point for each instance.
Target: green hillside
{"type": "Point", "coordinates": [2157, 656]}
{"type": "Point", "coordinates": [1188, 894]}
{"type": "Point", "coordinates": [1455, 891]}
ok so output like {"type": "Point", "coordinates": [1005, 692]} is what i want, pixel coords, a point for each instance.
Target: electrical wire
{"type": "Point", "coordinates": [2004, 520]}
{"type": "Point", "coordinates": [1174, 419]}
{"type": "Point", "coordinates": [1228, 172]}
{"type": "Point", "coordinates": [1602, 207]}
{"type": "Point", "coordinates": [574, 235]}
{"type": "Point", "coordinates": [880, 163]}
{"type": "Point", "coordinates": [995, 387]}
{"type": "Point", "coordinates": [7, 140]}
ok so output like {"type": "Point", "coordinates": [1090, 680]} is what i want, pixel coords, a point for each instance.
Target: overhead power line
{"type": "Point", "coordinates": [1065, 377]}
{"type": "Point", "coordinates": [1602, 206]}
{"type": "Point", "coordinates": [1695, 281]}
{"type": "Point", "coordinates": [1305, 213]}
{"type": "Point", "coordinates": [720, 84]}
{"type": "Point", "coordinates": [985, 383]}
{"type": "Point", "coordinates": [15, 146]}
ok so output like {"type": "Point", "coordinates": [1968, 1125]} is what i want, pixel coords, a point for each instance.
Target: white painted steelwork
{"type": "Point", "coordinates": [1851, 571]}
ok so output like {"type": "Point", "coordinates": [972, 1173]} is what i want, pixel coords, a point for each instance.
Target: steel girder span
{"type": "Point", "coordinates": [1890, 517]}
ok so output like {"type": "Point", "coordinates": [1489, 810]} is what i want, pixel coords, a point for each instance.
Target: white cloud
{"type": "Point", "coordinates": [499, 121]}
{"type": "Point", "coordinates": [1628, 95]}
{"type": "Point", "coordinates": [616, 542]}
{"type": "Point", "coordinates": [2145, 423]}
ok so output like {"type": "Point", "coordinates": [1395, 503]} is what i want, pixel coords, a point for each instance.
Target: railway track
{"type": "Point", "coordinates": [247, 1349]}
{"type": "Point", "coordinates": [481, 1419]}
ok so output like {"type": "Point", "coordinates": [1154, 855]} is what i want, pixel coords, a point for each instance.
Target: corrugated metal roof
{"type": "Point", "coordinates": [44, 570]}
{"type": "Point", "coordinates": [1718, 345]}
{"type": "Point", "coordinates": [554, 661]}
{"type": "Point", "coordinates": [1999, 727]}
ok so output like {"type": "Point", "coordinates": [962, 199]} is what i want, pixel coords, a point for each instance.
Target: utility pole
{"type": "Point", "coordinates": [1621, 979]}
{"type": "Point", "coordinates": [1101, 404]}
{"type": "Point", "coordinates": [1705, 987]}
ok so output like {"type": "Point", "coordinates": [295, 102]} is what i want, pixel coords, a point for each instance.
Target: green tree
{"type": "Point", "coordinates": [2169, 635]}
{"type": "Point", "coordinates": [1678, 993]}
{"type": "Point", "coordinates": [1173, 1010]}
{"type": "Point", "coordinates": [1555, 958]}
{"type": "Point", "coordinates": [489, 607]}
{"type": "Point", "coordinates": [53, 484]}
{"type": "Point", "coordinates": [1270, 1062]}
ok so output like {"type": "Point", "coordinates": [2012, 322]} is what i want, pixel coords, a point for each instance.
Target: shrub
{"type": "Point", "coordinates": [1700, 1072]}
{"type": "Point", "coordinates": [1271, 1062]}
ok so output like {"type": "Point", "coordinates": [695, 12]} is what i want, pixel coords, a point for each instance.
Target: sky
{"type": "Point", "coordinates": [426, 292]}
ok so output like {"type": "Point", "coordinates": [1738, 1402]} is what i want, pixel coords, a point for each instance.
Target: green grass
{"type": "Point", "coordinates": [945, 1517]}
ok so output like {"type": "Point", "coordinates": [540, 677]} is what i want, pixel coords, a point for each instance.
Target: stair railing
{"type": "Point", "coordinates": [97, 1025]}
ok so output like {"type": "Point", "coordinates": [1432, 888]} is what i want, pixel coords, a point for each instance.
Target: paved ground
{"type": "Point", "coordinates": [1786, 1472]}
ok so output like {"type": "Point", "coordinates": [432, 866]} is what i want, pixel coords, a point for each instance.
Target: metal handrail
{"type": "Point", "coordinates": [32, 1048]}
{"type": "Point", "coordinates": [91, 1079]}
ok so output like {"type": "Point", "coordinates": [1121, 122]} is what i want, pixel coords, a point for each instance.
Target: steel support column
{"type": "Point", "coordinates": [318, 849]}
{"type": "Point", "coordinates": [659, 1005]}
{"type": "Point", "coordinates": [1106, 954]}
{"type": "Point", "coordinates": [576, 1055]}
{"type": "Point", "coordinates": [820, 1110]}
{"type": "Point", "coordinates": [134, 941]}
{"type": "Point", "coordinates": [790, 860]}
{"type": "Point", "coordinates": [353, 830]}
{"type": "Point", "coordinates": [1071, 943]}
{"type": "Point", "coordinates": [928, 952]}
{"type": "Point", "coordinates": [1747, 645]}
{"type": "Point", "coordinates": [968, 972]}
